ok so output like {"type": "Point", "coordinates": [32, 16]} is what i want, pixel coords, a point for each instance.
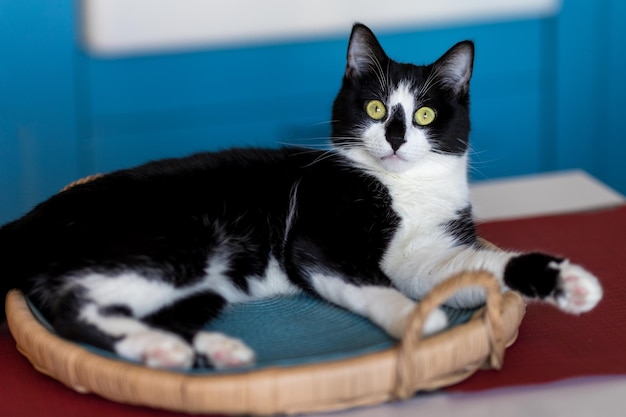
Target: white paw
{"type": "Point", "coordinates": [580, 291]}
{"type": "Point", "coordinates": [436, 321]}
{"type": "Point", "coordinates": [223, 352]}
{"type": "Point", "coordinates": [156, 349]}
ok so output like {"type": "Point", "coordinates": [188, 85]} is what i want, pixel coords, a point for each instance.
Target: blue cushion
{"type": "Point", "coordinates": [296, 330]}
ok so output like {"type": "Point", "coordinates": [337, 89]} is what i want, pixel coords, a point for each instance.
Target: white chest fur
{"type": "Point", "coordinates": [426, 198]}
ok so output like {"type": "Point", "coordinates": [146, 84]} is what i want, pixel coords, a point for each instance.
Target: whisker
{"type": "Point", "coordinates": [326, 122]}
{"type": "Point", "coordinates": [321, 157]}
{"type": "Point", "coordinates": [307, 148]}
{"type": "Point", "coordinates": [378, 70]}
{"type": "Point", "coordinates": [430, 81]}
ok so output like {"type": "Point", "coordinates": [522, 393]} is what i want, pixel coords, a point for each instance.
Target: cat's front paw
{"type": "Point", "coordinates": [578, 290]}
{"type": "Point", "coordinates": [555, 280]}
{"type": "Point", "coordinates": [223, 352]}
{"type": "Point", "coordinates": [436, 321]}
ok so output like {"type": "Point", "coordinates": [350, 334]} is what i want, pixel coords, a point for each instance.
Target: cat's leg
{"type": "Point", "coordinates": [187, 316]}
{"type": "Point", "coordinates": [168, 338]}
{"type": "Point", "coordinates": [538, 276]}
{"type": "Point", "coordinates": [570, 287]}
{"type": "Point", "coordinates": [384, 306]}
{"type": "Point", "coordinates": [113, 328]}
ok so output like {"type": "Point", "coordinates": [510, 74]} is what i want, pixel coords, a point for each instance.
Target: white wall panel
{"type": "Point", "coordinates": [114, 27]}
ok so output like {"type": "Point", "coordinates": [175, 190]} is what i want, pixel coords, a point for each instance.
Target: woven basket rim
{"type": "Point", "coordinates": [437, 361]}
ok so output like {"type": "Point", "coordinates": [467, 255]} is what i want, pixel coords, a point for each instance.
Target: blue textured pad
{"type": "Point", "coordinates": [296, 330]}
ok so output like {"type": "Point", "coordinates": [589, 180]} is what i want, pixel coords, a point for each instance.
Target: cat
{"type": "Point", "coordinates": [138, 260]}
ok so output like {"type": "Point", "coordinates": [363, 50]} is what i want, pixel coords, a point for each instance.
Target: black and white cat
{"type": "Point", "coordinates": [139, 260]}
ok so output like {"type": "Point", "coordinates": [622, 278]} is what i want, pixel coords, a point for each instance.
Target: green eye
{"type": "Point", "coordinates": [424, 116]}
{"type": "Point", "coordinates": [375, 109]}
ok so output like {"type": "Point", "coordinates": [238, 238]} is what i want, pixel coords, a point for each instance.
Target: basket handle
{"type": "Point", "coordinates": [408, 374]}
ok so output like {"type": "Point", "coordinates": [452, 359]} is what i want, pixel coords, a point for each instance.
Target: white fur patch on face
{"type": "Point", "coordinates": [377, 151]}
{"type": "Point", "coordinates": [406, 98]}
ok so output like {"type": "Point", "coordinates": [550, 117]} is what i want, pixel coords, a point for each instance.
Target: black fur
{"type": "Point", "coordinates": [185, 317]}
{"type": "Point", "coordinates": [65, 321]}
{"type": "Point", "coordinates": [167, 218]}
{"type": "Point", "coordinates": [344, 221]}
{"type": "Point", "coordinates": [463, 228]}
{"type": "Point", "coordinates": [533, 274]}
{"type": "Point", "coordinates": [396, 129]}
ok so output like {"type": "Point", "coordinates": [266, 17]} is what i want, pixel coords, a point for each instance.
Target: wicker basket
{"type": "Point", "coordinates": [412, 365]}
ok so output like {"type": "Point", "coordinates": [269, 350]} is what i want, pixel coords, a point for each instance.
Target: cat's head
{"type": "Point", "coordinates": [391, 115]}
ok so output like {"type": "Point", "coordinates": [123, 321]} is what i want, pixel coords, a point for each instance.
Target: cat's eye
{"type": "Point", "coordinates": [424, 116]}
{"type": "Point", "coordinates": [375, 109]}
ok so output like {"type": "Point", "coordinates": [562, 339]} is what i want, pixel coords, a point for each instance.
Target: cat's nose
{"type": "Point", "coordinates": [396, 129]}
{"type": "Point", "coordinates": [395, 141]}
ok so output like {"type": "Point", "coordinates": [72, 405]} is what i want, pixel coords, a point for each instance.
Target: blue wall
{"type": "Point", "coordinates": [38, 150]}
{"type": "Point", "coordinates": [590, 79]}
{"type": "Point", "coordinates": [547, 94]}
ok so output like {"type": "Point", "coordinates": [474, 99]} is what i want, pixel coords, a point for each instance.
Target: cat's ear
{"type": "Point", "coordinates": [455, 67]}
{"type": "Point", "coordinates": [364, 52]}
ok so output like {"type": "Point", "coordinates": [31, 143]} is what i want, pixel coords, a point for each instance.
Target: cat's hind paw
{"type": "Point", "coordinates": [223, 352]}
{"type": "Point", "coordinates": [156, 349]}
{"type": "Point", "coordinates": [578, 290]}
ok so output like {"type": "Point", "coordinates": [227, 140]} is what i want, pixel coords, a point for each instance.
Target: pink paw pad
{"type": "Point", "coordinates": [223, 352]}
{"type": "Point", "coordinates": [581, 290]}
{"type": "Point", "coordinates": [156, 349]}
